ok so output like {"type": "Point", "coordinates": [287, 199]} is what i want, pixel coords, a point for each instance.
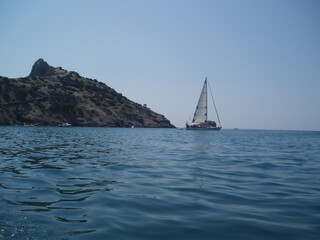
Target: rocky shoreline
{"type": "Point", "coordinates": [51, 96]}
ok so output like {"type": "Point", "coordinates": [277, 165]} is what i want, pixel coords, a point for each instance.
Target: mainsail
{"type": "Point", "coordinates": [200, 115]}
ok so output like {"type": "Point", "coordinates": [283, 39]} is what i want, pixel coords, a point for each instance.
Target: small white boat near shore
{"type": "Point", "coordinates": [64, 125]}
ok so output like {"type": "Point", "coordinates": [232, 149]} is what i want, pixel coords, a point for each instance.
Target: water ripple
{"type": "Point", "coordinates": [99, 183]}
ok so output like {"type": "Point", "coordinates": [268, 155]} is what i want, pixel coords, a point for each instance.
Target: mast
{"type": "Point", "coordinates": [205, 82]}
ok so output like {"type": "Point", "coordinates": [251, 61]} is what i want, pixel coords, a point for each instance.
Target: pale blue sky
{"type": "Point", "coordinates": [262, 58]}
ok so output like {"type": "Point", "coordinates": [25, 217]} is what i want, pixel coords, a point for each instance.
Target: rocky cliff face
{"type": "Point", "coordinates": [50, 96]}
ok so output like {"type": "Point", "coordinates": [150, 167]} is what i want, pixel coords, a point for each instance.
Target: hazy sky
{"type": "Point", "coordinates": [262, 58]}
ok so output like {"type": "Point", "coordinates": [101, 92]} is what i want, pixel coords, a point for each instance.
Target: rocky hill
{"type": "Point", "coordinates": [51, 96]}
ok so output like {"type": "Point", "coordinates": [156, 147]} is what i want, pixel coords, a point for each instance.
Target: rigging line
{"type": "Point", "coordinates": [214, 104]}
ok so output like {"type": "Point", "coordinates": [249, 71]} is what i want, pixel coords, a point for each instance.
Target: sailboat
{"type": "Point", "coordinates": [200, 119]}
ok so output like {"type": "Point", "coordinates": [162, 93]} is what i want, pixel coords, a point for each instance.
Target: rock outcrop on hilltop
{"type": "Point", "coordinates": [41, 68]}
{"type": "Point", "coordinates": [50, 96]}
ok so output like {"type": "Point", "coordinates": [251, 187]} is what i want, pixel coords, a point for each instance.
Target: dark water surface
{"type": "Point", "coordinates": [108, 183]}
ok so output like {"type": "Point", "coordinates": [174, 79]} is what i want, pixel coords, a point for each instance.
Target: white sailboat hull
{"type": "Point", "coordinates": [195, 127]}
{"type": "Point", "coordinates": [210, 129]}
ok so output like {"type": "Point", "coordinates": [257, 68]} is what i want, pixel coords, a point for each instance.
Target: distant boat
{"type": "Point", "coordinates": [65, 125]}
{"type": "Point", "coordinates": [200, 119]}
{"type": "Point", "coordinates": [28, 125]}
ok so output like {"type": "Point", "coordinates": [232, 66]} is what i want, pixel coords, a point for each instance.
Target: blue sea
{"type": "Point", "coordinates": [118, 183]}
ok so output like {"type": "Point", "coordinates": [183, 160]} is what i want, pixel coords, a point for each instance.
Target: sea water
{"type": "Point", "coordinates": [117, 183]}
